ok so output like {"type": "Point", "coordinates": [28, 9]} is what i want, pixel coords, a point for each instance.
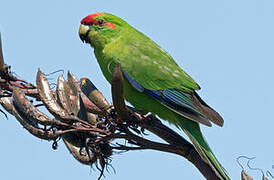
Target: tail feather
{"type": "Point", "coordinates": [206, 110]}
{"type": "Point", "coordinates": [193, 131]}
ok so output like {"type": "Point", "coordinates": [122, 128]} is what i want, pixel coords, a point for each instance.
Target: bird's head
{"type": "Point", "coordinates": [100, 28]}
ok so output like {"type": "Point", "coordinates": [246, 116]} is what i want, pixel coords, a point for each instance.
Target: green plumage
{"type": "Point", "coordinates": [154, 69]}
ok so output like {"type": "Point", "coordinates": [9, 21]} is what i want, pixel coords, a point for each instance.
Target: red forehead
{"type": "Point", "coordinates": [89, 20]}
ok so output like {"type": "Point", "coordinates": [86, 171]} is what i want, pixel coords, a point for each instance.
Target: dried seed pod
{"type": "Point", "coordinates": [74, 83]}
{"type": "Point", "coordinates": [33, 127]}
{"type": "Point", "coordinates": [87, 105]}
{"type": "Point", "coordinates": [49, 100]}
{"type": "Point", "coordinates": [92, 118]}
{"type": "Point", "coordinates": [81, 157]}
{"type": "Point", "coordinates": [63, 98]}
{"type": "Point", "coordinates": [82, 113]}
{"type": "Point", "coordinates": [94, 94]}
{"type": "Point", "coordinates": [29, 110]}
{"type": "Point", "coordinates": [7, 104]}
{"type": "Point", "coordinates": [63, 93]}
{"type": "Point", "coordinates": [90, 106]}
{"type": "Point", "coordinates": [117, 93]}
{"type": "Point", "coordinates": [46, 135]}
{"type": "Point", "coordinates": [75, 87]}
{"type": "Point", "coordinates": [76, 139]}
{"type": "Point", "coordinates": [75, 106]}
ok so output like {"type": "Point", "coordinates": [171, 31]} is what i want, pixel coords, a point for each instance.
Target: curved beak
{"type": "Point", "coordinates": [83, 33]}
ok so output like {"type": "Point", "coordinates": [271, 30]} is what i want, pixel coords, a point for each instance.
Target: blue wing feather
{"type": "Point", "coordinates": [134, 83]}
{"type": "Point", "coordinates": [174, 99]}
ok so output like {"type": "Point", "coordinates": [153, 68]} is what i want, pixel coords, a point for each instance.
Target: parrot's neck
{"type": "Point", "coordinates": [108, 54]}
{"type": "Point", "coordinates": [104, 54]}
{"type": "Point", "coordinates": [105, 64]}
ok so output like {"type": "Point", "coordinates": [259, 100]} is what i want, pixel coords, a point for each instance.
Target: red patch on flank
{"type": "Point", "coordinates": [89, 20]}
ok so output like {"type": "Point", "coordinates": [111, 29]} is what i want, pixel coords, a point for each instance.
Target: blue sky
{"type": "Point", "coordinates": [226, 46]}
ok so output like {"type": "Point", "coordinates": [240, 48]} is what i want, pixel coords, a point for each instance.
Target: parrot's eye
{"type": "Point", "coordinates": [100, 22]}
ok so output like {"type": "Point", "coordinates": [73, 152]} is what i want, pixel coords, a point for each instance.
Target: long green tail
{"type": "Point", "coordinates": [192, 129]}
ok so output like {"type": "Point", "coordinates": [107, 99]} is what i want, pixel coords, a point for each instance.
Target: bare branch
{"type": "Point", "coordinates": [2, 69]}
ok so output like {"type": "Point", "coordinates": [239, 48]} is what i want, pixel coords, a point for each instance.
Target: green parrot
{"type": "Point", "coordinates": [154, 82]}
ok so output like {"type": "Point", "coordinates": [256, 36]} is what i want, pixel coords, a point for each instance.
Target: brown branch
{"type": "Point", "coordinates": [71, 105]}
{"type": "Point", "coordinates": [183, 147]}
{"type": "Point", "coordinates": [4, 69]}
{"type": "Point", "coordinates": [2, 64]}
